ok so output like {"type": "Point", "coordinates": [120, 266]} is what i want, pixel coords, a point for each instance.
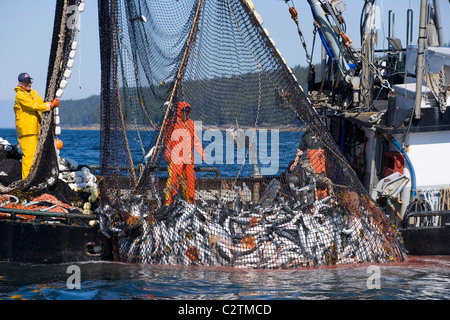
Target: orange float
{"type": "Point", "coordinates": [59, 144]}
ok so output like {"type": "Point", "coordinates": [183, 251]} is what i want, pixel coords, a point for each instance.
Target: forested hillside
{"type": "Point", "coordinates": [86, 112]}
{"type": "Point", "coordinates": [80, 113]}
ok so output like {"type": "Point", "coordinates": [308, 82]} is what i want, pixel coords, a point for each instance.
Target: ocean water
{"type": "Point", "coordinates": [279, 149]}
{"type": "Point", "coordinates": [82, 146]}
{"type": "Point", "coordinates": [417, 278]}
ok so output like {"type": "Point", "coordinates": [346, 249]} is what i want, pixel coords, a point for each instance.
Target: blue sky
{"type": "Point", "coordinates": [26, 29]}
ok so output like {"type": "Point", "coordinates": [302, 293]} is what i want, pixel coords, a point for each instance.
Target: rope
{"type": "Point", "coordinates": [253, 131]}
{"type": "Point", "coordinates": [302, 39]}
{"type": "Point", "coordinates": [445, 198]}
{"type": "Point", "coordinates": [119, 100]}
{"type": "Point", "coordinates": [38, 204]}
{"type": "Point", "coordinates": [178, 82]}
{"type": "Point", "coordinates": [189, 42]}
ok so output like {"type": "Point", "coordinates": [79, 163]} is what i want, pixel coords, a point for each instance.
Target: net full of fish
{"type": "Point", "coordinates": [249, 89]}
{"type": "Point", "coordinates": [279, 236]}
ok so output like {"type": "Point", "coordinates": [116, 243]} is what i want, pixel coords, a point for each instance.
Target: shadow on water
{"type": "Point", "coordinates": [417, 278]}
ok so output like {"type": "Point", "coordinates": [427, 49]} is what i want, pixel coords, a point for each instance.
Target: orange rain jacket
{"type": "Point", "coordinates": [175, 133]}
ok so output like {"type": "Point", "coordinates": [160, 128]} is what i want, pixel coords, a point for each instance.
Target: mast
{"type": "Point", "coordinates": [420, 57]}
{"type": "Point", "coordinates": [438, 22]}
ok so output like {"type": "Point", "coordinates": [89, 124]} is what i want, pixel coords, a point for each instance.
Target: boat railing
{"type": "Point", "coordinates": [95, 169]}
{"type": "Point", "coordinates": [68, 216]}
{"type": "Point", "coordinates": [426, 219]}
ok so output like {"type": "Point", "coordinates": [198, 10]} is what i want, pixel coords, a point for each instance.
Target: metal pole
{"type": "Point", "coordinates": [328, 36]}
{"type": "Point", "coordinates": [409, 27]}
{"type": "Point", "coordinates": [420, 57]}
{"type": "Point", "coordinates": [39, 213]}
{"type": "Point", "coordinates": [438, 22]}
{"type": "Point", "coordinates": [391, 25]}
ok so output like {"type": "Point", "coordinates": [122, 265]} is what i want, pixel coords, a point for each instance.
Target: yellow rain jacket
{"type": "Point", "coordinates": [28, 107]}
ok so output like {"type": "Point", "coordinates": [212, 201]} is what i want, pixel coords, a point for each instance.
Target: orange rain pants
{"type": "Point", "coordinates": [180, 174]}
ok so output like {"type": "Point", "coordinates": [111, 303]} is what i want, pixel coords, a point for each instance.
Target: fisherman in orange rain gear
{"type": "Point", "coordinates": [179, 141]}
{"type": "Point", "coordinates": [316, 155]}
{"type": "Point", "coordinates": [27, 108]}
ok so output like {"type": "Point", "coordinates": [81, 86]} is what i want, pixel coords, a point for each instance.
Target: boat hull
{"type": "Point", "coordinates": [31, 242]}
{"type": "Point", "coordinates": [427, 241]}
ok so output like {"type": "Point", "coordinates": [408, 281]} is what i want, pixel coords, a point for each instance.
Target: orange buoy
{"type": "Point", "coordinates": [59, 144]}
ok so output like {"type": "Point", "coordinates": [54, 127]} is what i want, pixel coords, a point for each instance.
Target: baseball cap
{"type": "Point", "coordinates": [23, 77]}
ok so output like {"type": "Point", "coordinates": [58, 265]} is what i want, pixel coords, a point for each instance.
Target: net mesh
{"type": "Point", "coordinates": [211, 153]}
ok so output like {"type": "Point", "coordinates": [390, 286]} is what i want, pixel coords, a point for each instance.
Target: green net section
{"type": "Point", "coordinates": [212, 154]}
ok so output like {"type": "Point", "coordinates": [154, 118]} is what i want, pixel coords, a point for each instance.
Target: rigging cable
{"type": "Point", "coordinates": [294, 16]}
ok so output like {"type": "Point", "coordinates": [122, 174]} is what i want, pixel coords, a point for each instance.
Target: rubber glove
{"type": "Point", "coordinates": [54, 103]}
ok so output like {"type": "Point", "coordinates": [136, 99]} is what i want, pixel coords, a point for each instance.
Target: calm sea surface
{"type": "Point", "coordinates": [417, 278]}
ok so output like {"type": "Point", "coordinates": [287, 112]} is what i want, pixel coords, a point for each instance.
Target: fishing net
{"type": "Point", "coordinates": [211, 153]}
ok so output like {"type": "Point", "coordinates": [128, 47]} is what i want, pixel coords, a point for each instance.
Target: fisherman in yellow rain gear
{"type": "Point", "coordinates": [28, 107]}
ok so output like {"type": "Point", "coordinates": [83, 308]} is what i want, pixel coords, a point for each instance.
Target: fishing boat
{"type": "Point", "coordinates": [47, 217]}
{"type": "Point", "coordinates": [390, 115]}
{"type": "Point", "coordinates": [244, 207]}
{"type": "Point", "coordinates": [39, 227]}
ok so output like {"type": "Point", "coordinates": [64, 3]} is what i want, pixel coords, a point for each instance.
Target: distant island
{"type": "Point", "coordinates": [84, 114]}
{"type": "Point", "coordinates": [80, 113]}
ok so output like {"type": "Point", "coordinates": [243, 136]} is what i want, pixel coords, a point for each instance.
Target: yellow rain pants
{"type": "Point", "coordinates": [28, 144]}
